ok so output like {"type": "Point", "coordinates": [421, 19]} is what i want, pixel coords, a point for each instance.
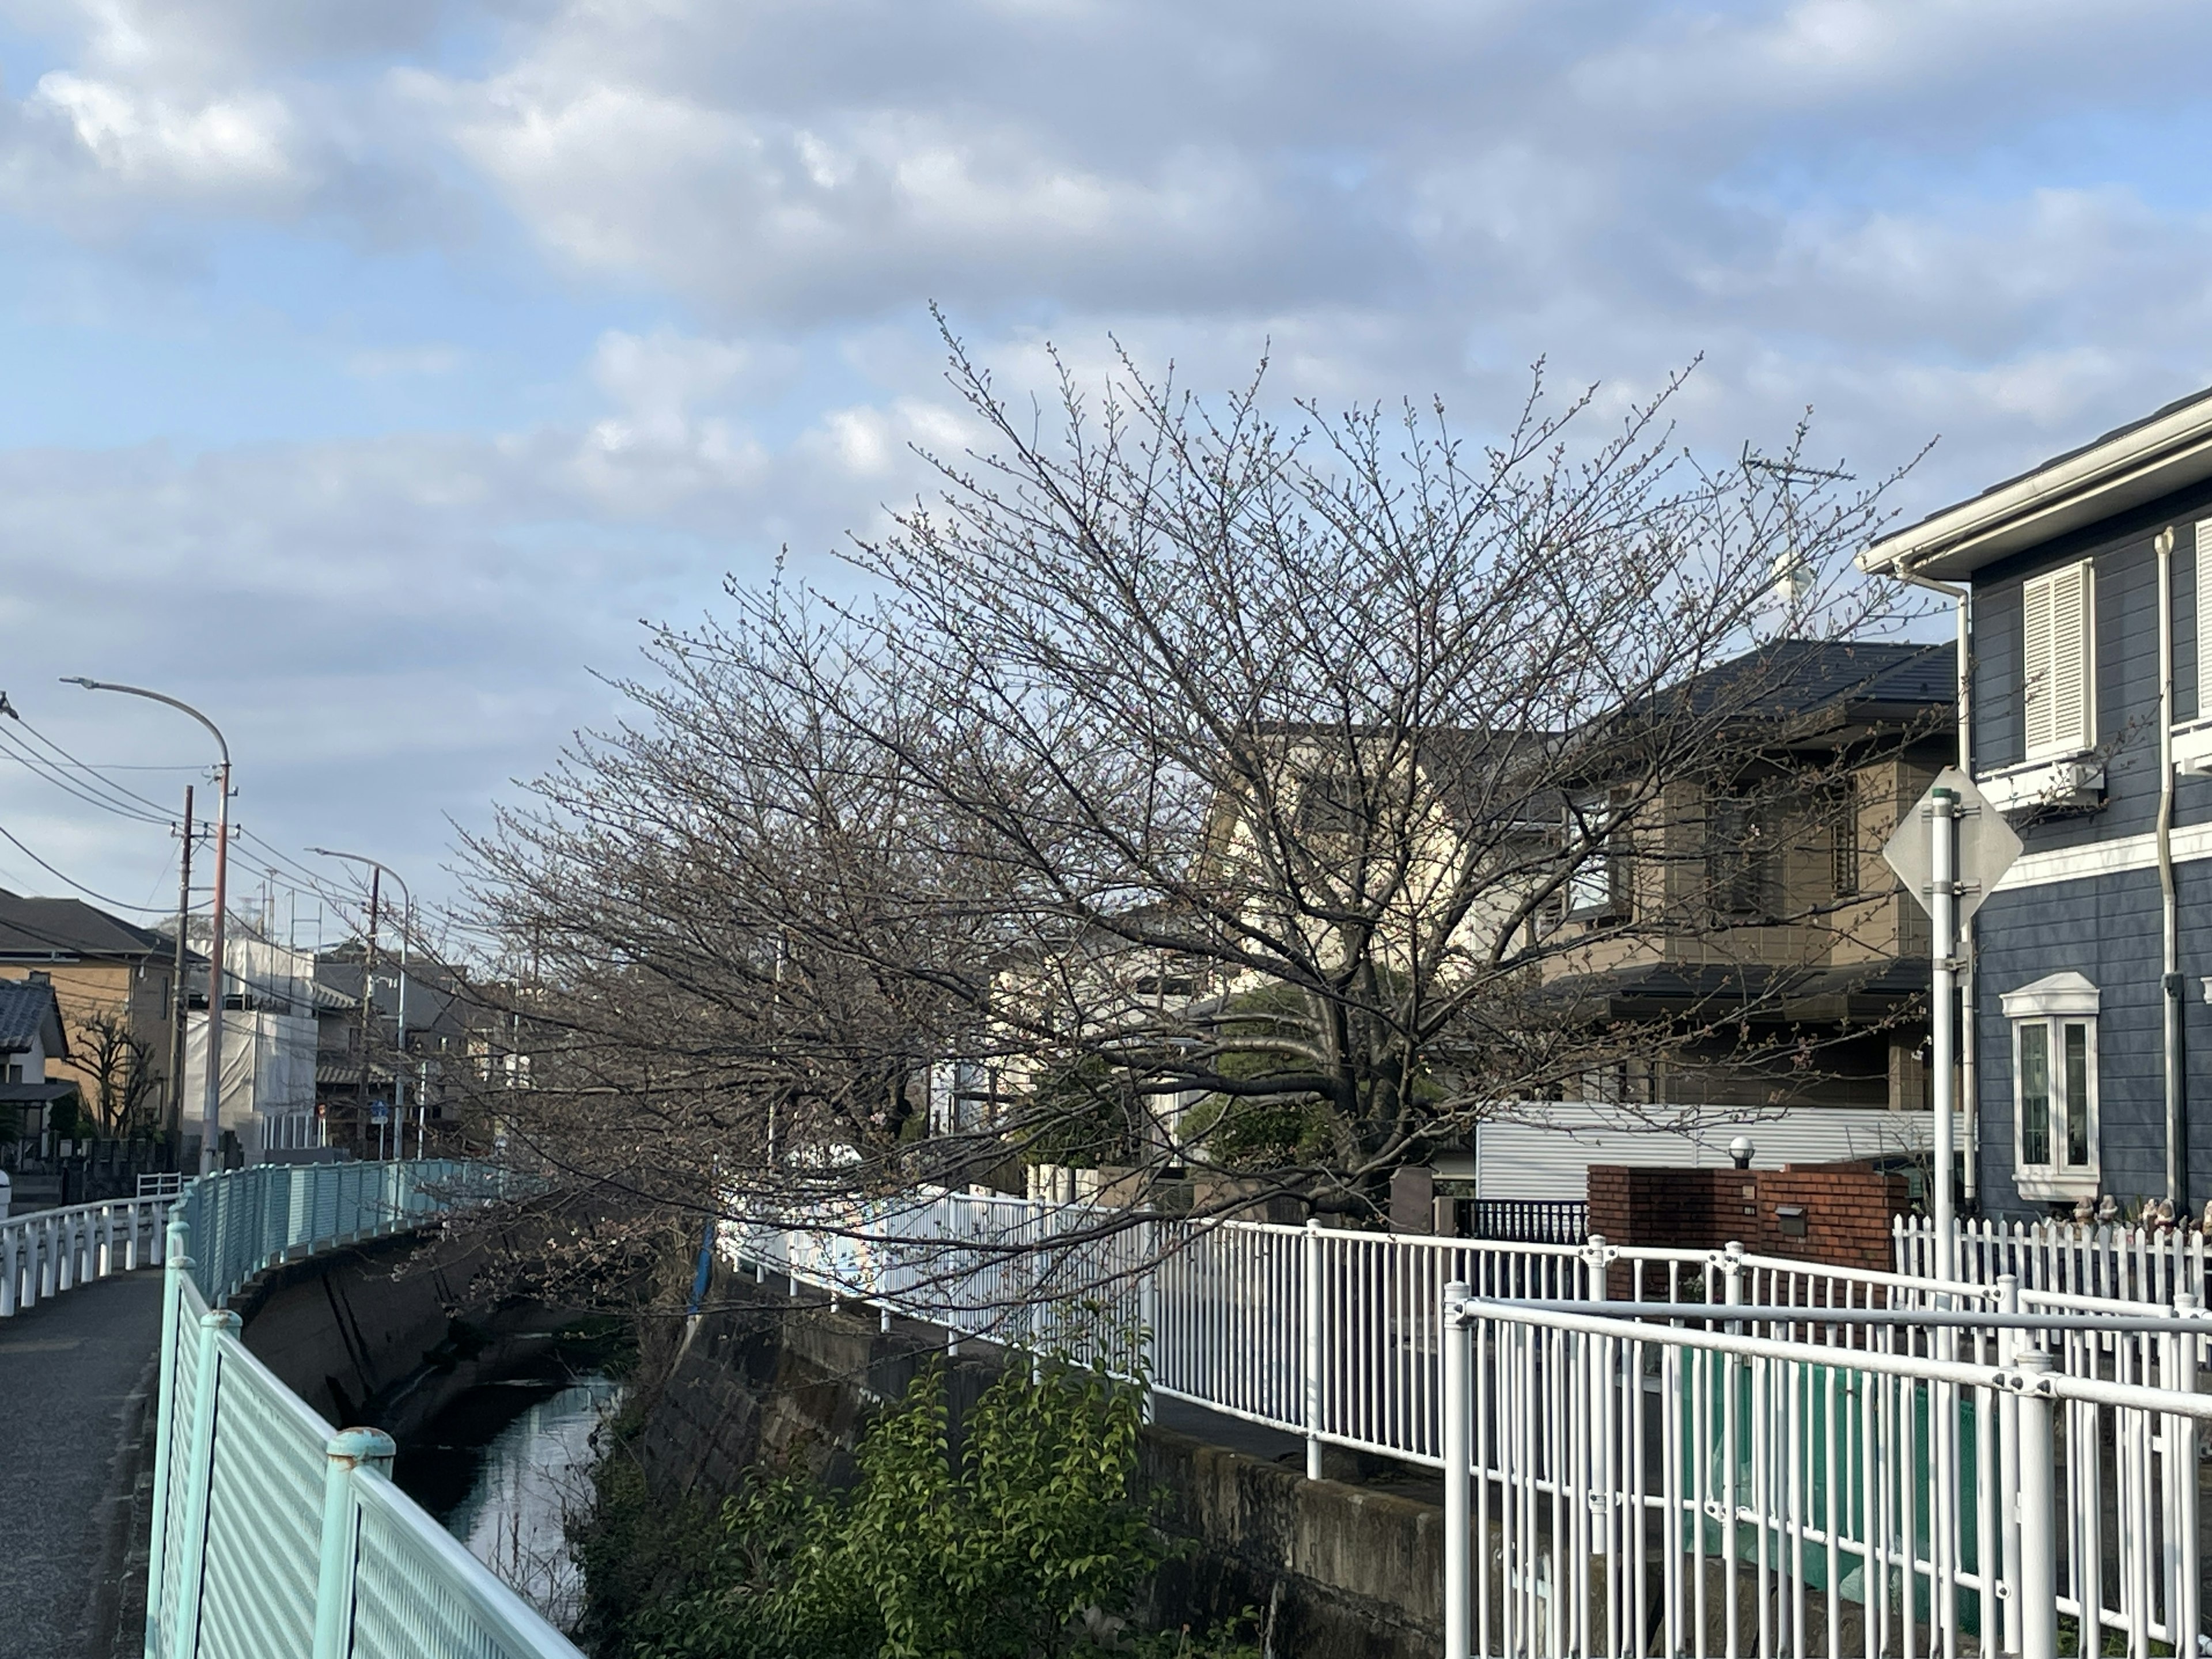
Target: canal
{"type": "Point", "coordinates": [506, 1464]}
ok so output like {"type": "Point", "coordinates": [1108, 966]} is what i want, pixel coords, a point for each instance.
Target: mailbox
{"type": "Point", "coordinates": [1791, 1217]}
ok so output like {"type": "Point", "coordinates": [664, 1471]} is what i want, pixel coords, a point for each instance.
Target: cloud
{"type": "Point", "coordinates": [1920, 216]}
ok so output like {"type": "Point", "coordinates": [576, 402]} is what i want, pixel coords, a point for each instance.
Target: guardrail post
{"type": "Point", "coordinates": [176, 1267]}
{"type": "Point", "coordinates": [346, 1450]}
{"type": "Point", "coordinates": [2008, 1528]}
{"type": "Point", "coordinates": [2035, 1590]}
{"type": "Point", "coordinates": [10, 1267]}
{"type": "Point", "coordinates": [1459, 1541]}
{"type": "Point", "coordinates": [2181, 1481]}
{"type": "Point", "coordinates": [1312, 1346]}
{"type": "Point", "coordinates": [192, 1545]}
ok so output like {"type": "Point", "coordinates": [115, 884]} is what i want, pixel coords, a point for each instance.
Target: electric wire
{"type": "Point", "coordinates": [120, 904]}
{"type": "Point", "coordinates": [87, 767]}
{"type": "Point", "coordinates": [40, 767]}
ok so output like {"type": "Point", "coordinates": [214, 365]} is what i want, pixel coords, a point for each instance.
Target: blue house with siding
{"type": "Point", "coordinates": [2084, 597]}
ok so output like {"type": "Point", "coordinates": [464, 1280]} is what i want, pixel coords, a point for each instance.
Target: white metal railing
{"type": "Point", "coordinates": [2110, 1262]}
{"type": "Point", "coordinates": [1328, 1334]}
{"type": "Point", "coordinates": [47, 1252]}
{"type": "Point", "coordinates": [275, 1536]}
{"type": "Point", "coordinates": [1746, 1479]}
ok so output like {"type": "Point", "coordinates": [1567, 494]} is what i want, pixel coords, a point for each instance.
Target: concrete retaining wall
{"type": "Point", "coordinates": [1341, 1572]}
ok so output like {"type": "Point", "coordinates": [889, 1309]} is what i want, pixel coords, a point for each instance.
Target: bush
{"type": "Point", "coordinates": [1033, 1542]}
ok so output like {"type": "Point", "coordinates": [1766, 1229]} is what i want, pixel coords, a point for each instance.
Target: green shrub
{"type": "Point", "coordinates": [1032, 1543]}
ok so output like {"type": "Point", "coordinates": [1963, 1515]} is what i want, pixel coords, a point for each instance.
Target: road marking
{"type": "Point", "coordinates": [51, 1344]}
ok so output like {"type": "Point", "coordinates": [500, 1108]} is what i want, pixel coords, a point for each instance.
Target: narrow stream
{"type": "Point", "coordinates": [503, 1468]}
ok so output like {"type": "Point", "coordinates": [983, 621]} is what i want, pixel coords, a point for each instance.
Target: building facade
{"type": "Point", "coordinates": [2081, 588]}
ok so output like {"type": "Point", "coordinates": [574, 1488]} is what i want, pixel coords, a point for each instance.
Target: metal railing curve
{"type": "Point", "coordinates": [275, 1534]}
{"type": "Point", "coordinates": [47, 1252]}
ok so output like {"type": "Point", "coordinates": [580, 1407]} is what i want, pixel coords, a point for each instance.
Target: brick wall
{"type": "Point", "coordinates": [1848, 1209]}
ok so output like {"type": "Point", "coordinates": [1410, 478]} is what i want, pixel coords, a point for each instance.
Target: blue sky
{"type": "Point", "coordinates": [371, 371]}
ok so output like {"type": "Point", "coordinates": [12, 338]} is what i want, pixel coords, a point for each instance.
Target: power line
{"type": "Point", "coordinates": [115, 788]}
{"type": "Point", "coordinates": [120, 904]}
{"type": "Point", "coordinates": [39, 766]}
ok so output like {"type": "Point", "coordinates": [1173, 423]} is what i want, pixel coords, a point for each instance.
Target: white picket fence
{"type": "Point", "coordinates": [2108, 1263]}
{"type": "Point", "coordinates": [47, 1252]}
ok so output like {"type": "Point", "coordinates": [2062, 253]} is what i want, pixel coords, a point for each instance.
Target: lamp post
{"type": "Point", "coordinates": [368, 988]}
{"type": "Point", "coordinates": [212, 1099]}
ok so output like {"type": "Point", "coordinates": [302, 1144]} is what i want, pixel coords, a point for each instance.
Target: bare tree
{"type": "Point", "coordinates": [123, 1070]}
{"type": "Point", "coordinates": [1183, 788]}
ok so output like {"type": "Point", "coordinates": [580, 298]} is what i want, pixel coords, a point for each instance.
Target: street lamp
{"type": "Point", "coordinates": [367, 992]}
{"type": "Point", "coordinates": [211, 1101]}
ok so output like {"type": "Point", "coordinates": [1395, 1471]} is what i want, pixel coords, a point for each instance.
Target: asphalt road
{"type": "Point", "coordinates": [74, 1374]}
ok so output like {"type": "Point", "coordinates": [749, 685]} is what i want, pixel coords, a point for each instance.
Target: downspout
{"type": "Point", "coordinates": [2177, 1123]}
{"type": "Point", "coordinates": [1969, 1096]}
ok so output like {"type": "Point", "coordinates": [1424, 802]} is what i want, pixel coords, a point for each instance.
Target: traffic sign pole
{"type": "Point", "coordinates": [1943, 1014]}
{"type": "Point", "coordinates": [1949, 870]}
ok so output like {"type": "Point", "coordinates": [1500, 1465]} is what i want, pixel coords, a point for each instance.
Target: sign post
{"type": "Point", "coordinates": [1949, 867]}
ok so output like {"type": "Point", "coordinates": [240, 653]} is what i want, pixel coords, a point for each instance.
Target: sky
{"type": "Point", "coordinates": [375, 372]}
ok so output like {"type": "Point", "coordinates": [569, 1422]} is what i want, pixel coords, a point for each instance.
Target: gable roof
{"type": "Point", "coordinates": [1789, 679]}
{"type": "Point", "coordinates": [28, 1013]}
{"type": "Point", "coordinates": [50, 929]}
{"type": "Point", "coordinates": [2164, 450]}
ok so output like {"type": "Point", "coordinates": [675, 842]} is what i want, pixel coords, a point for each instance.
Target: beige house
{"type": "Point", "coordinates": [113, 982]}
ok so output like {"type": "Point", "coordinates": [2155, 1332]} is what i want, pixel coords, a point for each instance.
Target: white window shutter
{"type": "Point", "coordinates": [2205, 619]}
{"type": "Point", "coordinates": [2058, 661]}
{"type": "Point", "coordinates": [2035, 661]}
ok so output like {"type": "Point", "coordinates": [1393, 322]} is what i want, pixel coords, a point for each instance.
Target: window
{"type": "Point", "coordinates": [1739, 857]}
{"type": "Point", "coordinates": [2058, 660]}
{"type": "Point", "coordinates": [1596, 889]}
{"type": "Point", "coordinates": [2054, 1023]}
{"type": "Point", "coordinates": [1844, 839]}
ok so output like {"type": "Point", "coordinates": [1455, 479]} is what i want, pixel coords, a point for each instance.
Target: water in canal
{"type": "Point", "coordinates": [505, 1467]}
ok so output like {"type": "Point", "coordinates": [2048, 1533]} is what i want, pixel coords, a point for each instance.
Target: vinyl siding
{"type": "Point", "coordinates": [2106, 929]}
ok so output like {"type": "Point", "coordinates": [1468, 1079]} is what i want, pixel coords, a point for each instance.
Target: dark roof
{"type": "Point", "coordinates": [37, 1094]}
{"type": "Point", "coordinates": [45, 928]}
{"type": "Point", "coordinates": [1709, 989]}
{"type": "Point", "coordinates": [27, 1013]}
{"type": "Point", "coordinates": [1789, 679]}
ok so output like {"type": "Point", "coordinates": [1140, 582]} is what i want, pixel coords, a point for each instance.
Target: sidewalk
{"type": "Point", "coordinates": [76, 1377]}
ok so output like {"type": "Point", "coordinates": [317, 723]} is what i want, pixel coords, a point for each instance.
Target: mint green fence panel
{"type": "Point", "coordinates": [265, 1516]}
{"type": "Point", "coordinates": [275, 1535]}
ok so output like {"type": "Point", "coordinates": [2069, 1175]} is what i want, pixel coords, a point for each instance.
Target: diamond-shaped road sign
{"type": "Point", "coordinates": [1987, 846]}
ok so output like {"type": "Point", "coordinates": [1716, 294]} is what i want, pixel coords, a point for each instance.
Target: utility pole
{"type": "Point", "coordinates": [397, 1109]}
{"type": "Point", "coordinates": [180, 998]}
{"type": "Point", "coordinates": [367, 990]}
{"type": "Point", "coordinates": [211, 1101]}
{"type": "Point", "coordinates": [211, 1105]}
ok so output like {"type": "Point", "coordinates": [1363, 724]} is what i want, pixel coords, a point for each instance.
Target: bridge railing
{"type": "Point", "coordinates": [274, 1534]}
{"type": "Point", "coordinates": [47, 1252]}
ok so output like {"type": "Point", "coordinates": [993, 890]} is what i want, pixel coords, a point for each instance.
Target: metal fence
{"type": "Point", "coordinates": [1752, 1481]}
{"type": "Point", "coordinates": [1533, 1220]}
{"type": "Point", "coordinates": [275, 1534]}
{"type": "Point", "coordinates": [1665, 1451]}
{"type": "Point", "coordinates": [1329, 1334]}
{"type": "Point", "coordinates": [50, 1251]}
